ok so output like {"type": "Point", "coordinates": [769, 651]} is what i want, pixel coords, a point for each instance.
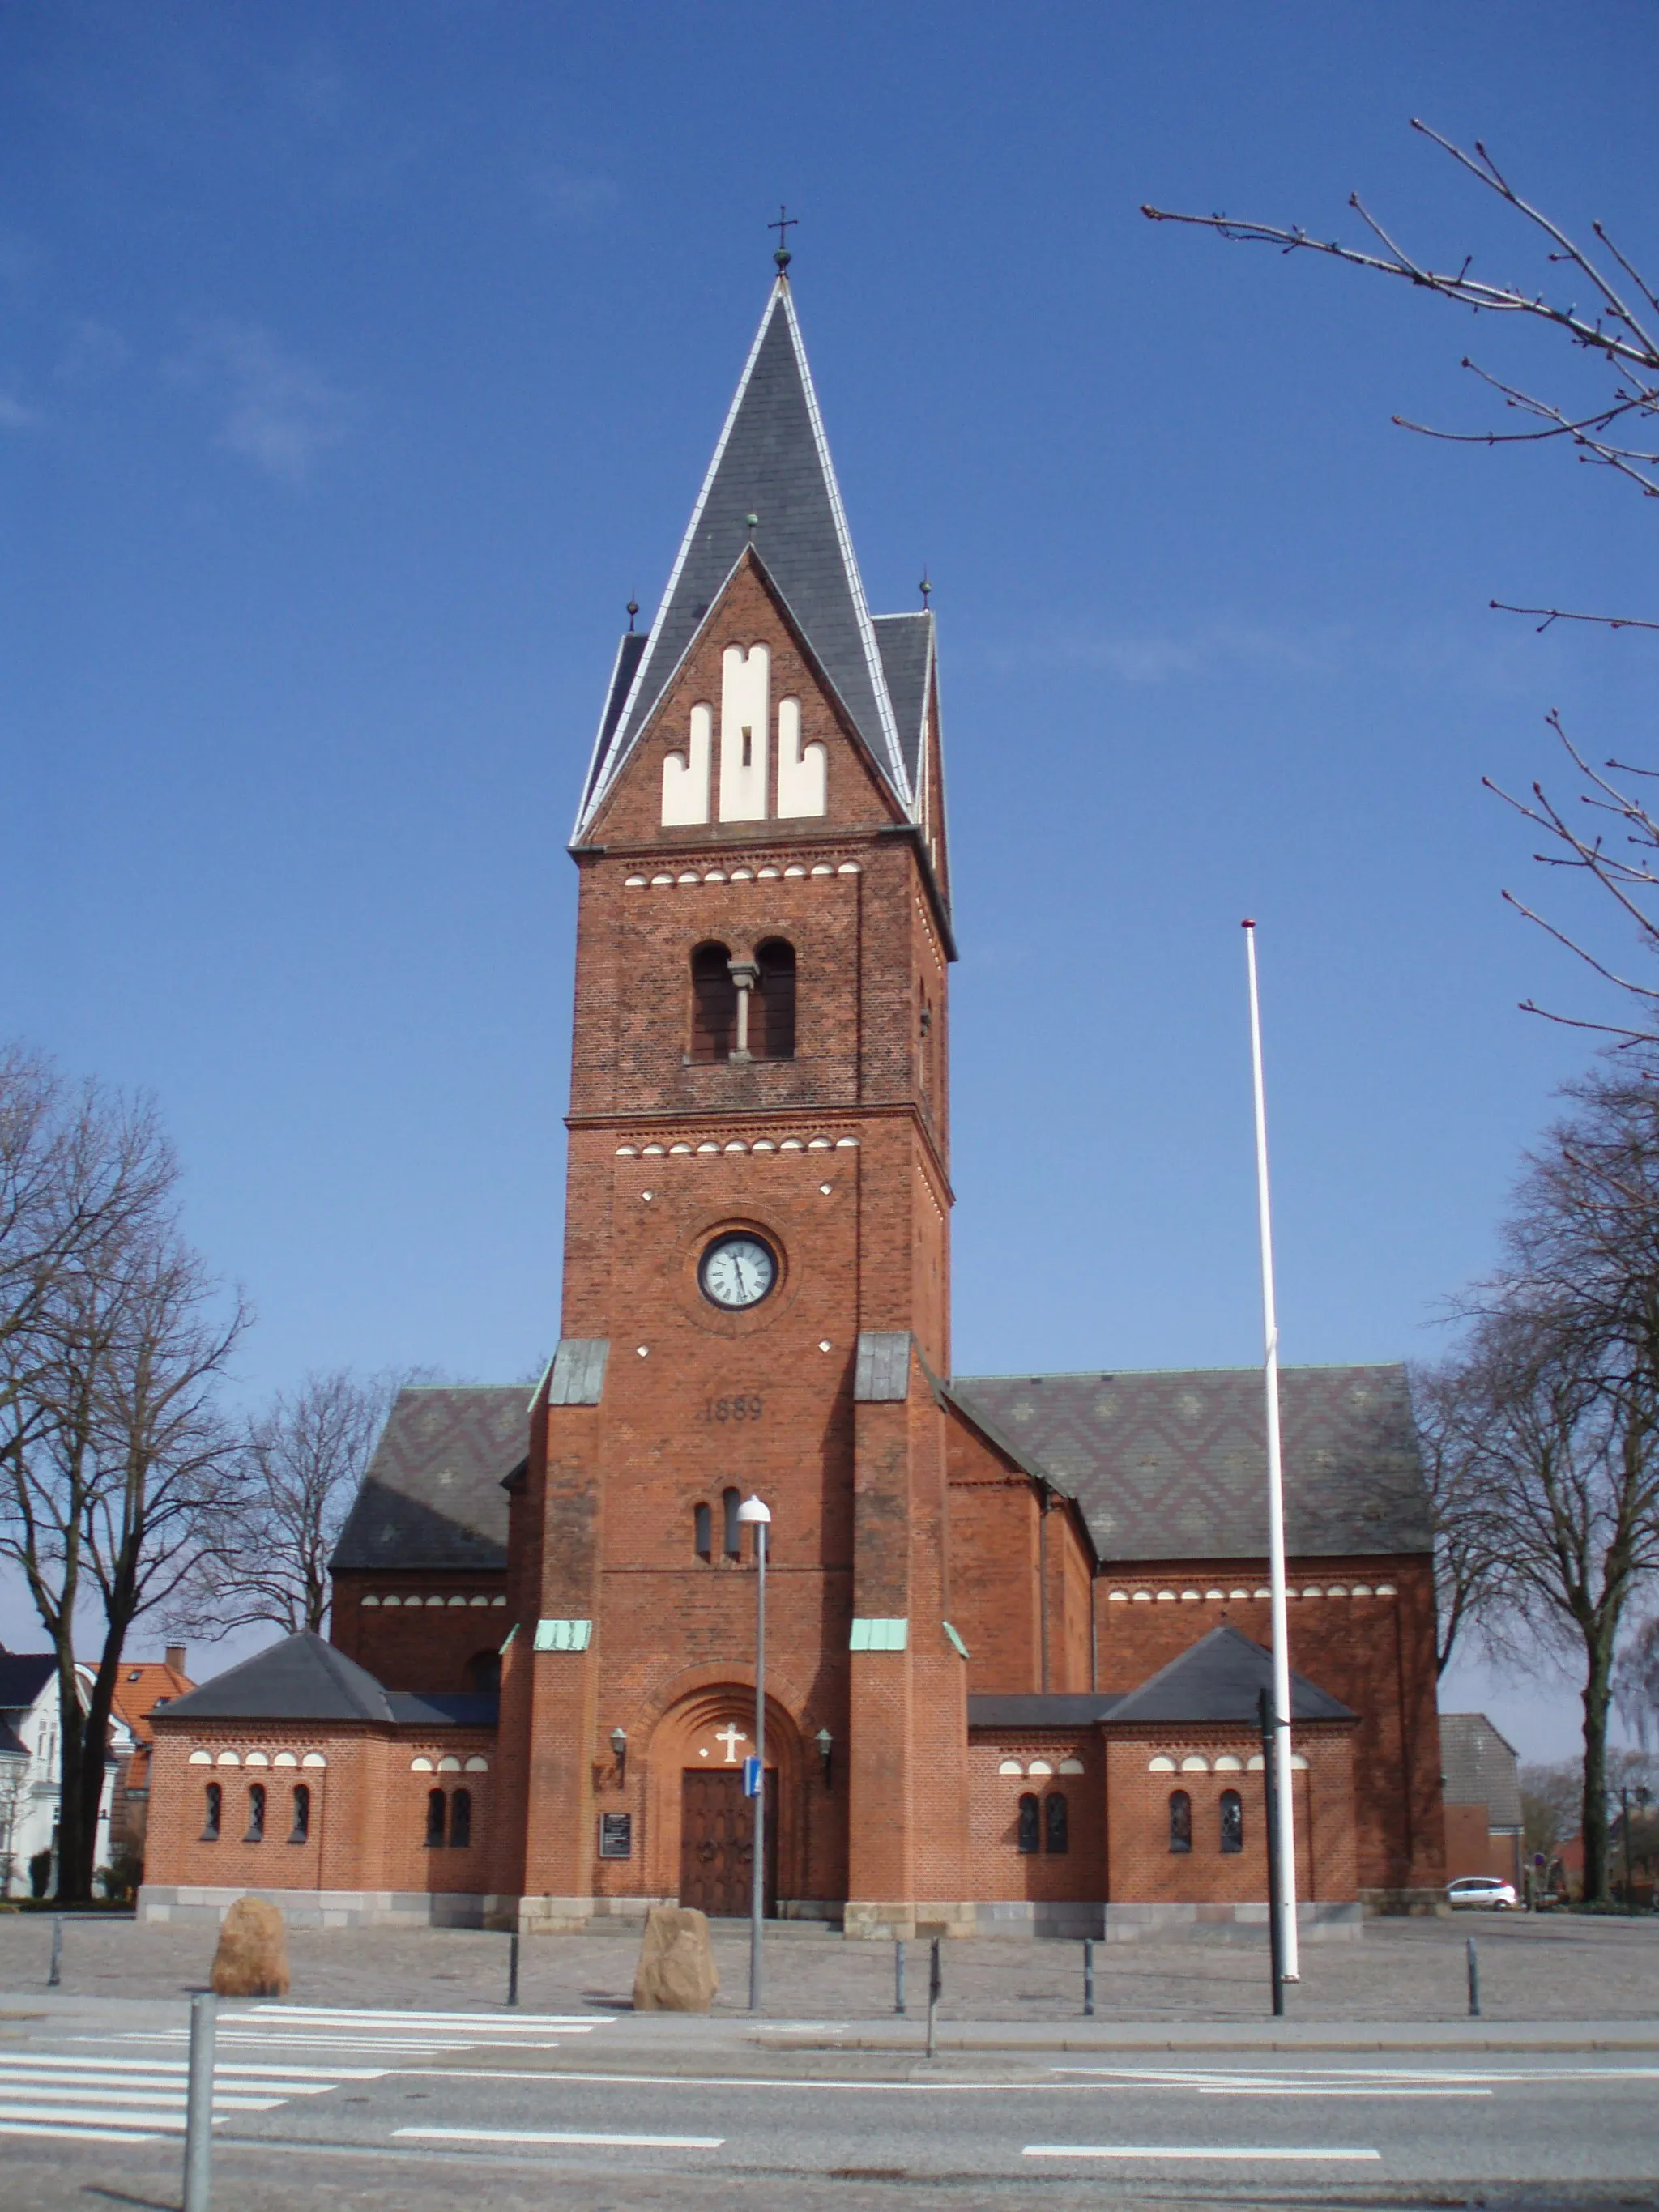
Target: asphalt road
{"type": "Point", "coordinates": [328, 2106]}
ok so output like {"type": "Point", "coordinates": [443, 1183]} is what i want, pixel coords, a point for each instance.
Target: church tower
{"type": "Point", "coordinates": [757, 1264]}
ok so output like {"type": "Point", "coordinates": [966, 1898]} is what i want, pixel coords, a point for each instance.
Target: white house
{"type": "Point", "coordinates": [30, 1784]}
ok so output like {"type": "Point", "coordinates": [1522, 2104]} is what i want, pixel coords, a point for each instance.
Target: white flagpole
{"type": "Point", "coordinates": [1285, 1806]}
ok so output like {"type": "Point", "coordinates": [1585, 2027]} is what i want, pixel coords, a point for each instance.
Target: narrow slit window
{"type": "Point", "coordinates": [435, 1810]}
{"type": "Point", "coordinates": [1232, 1821]}
{"type": "Point", "coordinates": [1180, 1822]}
{"type": "Point", "coordinates": [256, 1814]}
{"type": "Point", "coordinates": [460, 1820]}
{"type": "Point", "coordinates": [302, 1829]}
{"type": "Point", "coordinates": [213, 1812]}
{"type": "Point", "coordinates": [1056, 1830]}
{"type": "Point", "coordinates": [713, 1004]}
{"type": "Point", "coordinates": [772, 1008]}
{"type": "Point", "coordinates": [1030, 1828]}
{"type": "Point", "coordinates": [731, 1499]}
{"type": "Point", "coordinates": [702, 1531]}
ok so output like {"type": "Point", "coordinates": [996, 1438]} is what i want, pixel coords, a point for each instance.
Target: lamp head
{"type": "Point", "coordinates": [752, 1510]}
{"type": "Point", "coordinates": [619, 1740]}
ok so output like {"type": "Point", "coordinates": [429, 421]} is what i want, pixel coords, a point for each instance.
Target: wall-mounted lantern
{"type": "Point", "coordinates": [826, 1744]}
{"type": "Point", "coordinates": [619, 1747]}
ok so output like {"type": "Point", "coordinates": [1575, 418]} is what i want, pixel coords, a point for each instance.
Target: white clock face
{"type": "Point", "coordinates": [737, 1272]}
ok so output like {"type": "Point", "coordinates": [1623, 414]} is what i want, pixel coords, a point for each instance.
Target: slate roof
{"type": "Point", "coordinates": [905, 643]}
{"type": "Point", "coordinates": [773, 462]}
{"type": "Point", "coordinates": [303, 1678]}
{"type": "Point", "coordinates": [432, 1496]}
{"type": "Point", "coordinates": [23, 1675]}
{"type": "Point", "coordinates": [1218, 1679]}
{"type": "Point", "coordinates": [12, 1746]}
{"type": "Point", "coordinates": [1171, 1464]}
{"type": "Point", "coordinates": [1478, 1767]}
{"type": "Point", "coordinates": [1055, 1710]}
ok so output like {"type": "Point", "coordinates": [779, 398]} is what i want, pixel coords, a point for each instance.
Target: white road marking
{"type": "Point", "coordinates": [1333, 2089]}
{"type": "Point", "coordinates": [366, 2016]}
{"type": "Point", "coordinates": [524, 2136]}
{"type": "Point", "coordinates": [1162, 2151]}
{"type": "Point", "coordinates": [1188, 2077]}
{"type": "Point", "coordinates": [12, 2062]}
{"type": "Point", "coordinates": [66, 2097]}
{"type": "Point", "coordinates": [91, 2132]}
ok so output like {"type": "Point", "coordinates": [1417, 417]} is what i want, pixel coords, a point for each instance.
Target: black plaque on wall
{"type": "Point", "coordinates": [616, 1835]}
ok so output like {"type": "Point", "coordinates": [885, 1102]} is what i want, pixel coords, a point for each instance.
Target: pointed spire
{"type": "Point", "coordinates": [770, 487]}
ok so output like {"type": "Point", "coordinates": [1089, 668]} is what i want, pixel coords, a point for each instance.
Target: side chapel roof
{"type": "Point", "coordinates": [1170, 1464]}
{"type": "Point", "coordinates": [1478, 1767]}
{"type": "Point", "coordinates": [1218, 1680]}
{"type": "Point", "coordinates": [432, 1496]}
{"type": "Point", "coordinates": [305, 1678]}
{"type": "Point", "coordinates": [773, 462]}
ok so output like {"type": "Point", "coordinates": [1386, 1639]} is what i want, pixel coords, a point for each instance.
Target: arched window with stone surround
{"type": "Point", "coordinates": [1030, 1824]}
{"type": "Point", "coordinates": [729, 1500]}
{"type": "Point", "coordinates": [702, 1531]}
{"type": "Point", "coordinates": [460, 1820]}
{"type": "Point", "coordinates": [302, 1829]}
{"type": "Point", "coordinates": [256, 1814]}
{"type": "Point", "coordinates": [772, 1010]}
{"type": "Point", "coordinates": [713, 1004]}
{"type": "Point", "coordinates": [1057, 1825]}
{"type": "Point", "coordinates": [213, 1812]}
{"type": "Point", "coordinates": [1180, 1822]}
{"type": "Point", "coordinates": [435, 1811]}
{"type": "Point", "coordinates": [1232, 1821]}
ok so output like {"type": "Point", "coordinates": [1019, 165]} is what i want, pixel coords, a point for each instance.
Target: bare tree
{"type": "Point", "coordinates": [1615, 841]}
{"type": "Point", "coordinates": [1446, 1404]}
{"type": "Point", "coordinates": [1559, 1387]}
{"type": "Point", "coordinates": [1551, 1800]}
{"type": "Point", "coordinates": [111, 1463]}
{"type": "Point", "coordinates": [303, 1459]}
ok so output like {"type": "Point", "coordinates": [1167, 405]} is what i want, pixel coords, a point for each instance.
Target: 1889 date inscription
{"type": "Point", "coordinates": [728, 1409]}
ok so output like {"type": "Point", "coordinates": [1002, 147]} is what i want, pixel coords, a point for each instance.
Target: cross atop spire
{"type": "Point", "coordinates": [785, 223]}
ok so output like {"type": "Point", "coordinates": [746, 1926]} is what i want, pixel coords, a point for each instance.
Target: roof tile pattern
{"type": "Point", "coordinates": [1173, 1464]}
{"type": "Point", "coordinates": [432, 1496]}
{"type": "Point", "coordinates": [1480, 1767]}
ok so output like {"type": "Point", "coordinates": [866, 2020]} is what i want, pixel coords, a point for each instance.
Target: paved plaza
{"type": "Point", "coordinates": [1553, 1967]}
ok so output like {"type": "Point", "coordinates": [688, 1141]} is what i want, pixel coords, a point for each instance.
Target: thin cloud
{"type": "Point", "coordinates": [14, 415]}
{"type": "Point", "coordinates": [275, 408]}
{"type": "Point", "coordinates": [564, 196]}
{"type": "Point", "coordinates": [1167, 656]}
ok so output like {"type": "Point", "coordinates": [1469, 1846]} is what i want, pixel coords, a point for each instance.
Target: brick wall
{"type": "Point", "coordinates": [420, 1631]}
{"type": "Point", "coordinates": [999, 1774]}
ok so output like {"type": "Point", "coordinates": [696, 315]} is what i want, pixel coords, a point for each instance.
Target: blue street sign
{"type": "Point", "coordinates": [751, 1781]}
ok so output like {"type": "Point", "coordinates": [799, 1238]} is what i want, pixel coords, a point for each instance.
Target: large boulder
{"type": "Point", "coordinates": [252, 1959]}
{"type": "Point", "coordinates": [675, 1972]}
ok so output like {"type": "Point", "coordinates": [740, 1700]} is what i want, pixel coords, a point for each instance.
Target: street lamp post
{"type": "Point", "coordinates": [759, 1518]}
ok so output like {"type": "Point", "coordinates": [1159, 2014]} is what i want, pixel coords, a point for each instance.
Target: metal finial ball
{"type": "Point", "coordinates": [633, 606]}
{"type": "Point", "coordinates": [783, 257]}
{"type": "Point", "coordinates": [753, 521]}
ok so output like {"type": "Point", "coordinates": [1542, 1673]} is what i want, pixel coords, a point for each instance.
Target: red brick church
{"type": "Point", "coordinates": [1015, 1622]}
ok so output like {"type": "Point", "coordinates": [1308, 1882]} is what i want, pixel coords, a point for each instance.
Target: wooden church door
{"type": "Point", "coordinates": [717, 1843]}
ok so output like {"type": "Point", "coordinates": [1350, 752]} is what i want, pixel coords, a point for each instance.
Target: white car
{"type": "Point", "coordinates": [1482, 1893]}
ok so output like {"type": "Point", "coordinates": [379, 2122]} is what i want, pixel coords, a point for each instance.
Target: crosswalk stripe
{"type": "Point", "coordinates": [90, 2131]}
{"type": "Point", "coordinates": [518, 2021]}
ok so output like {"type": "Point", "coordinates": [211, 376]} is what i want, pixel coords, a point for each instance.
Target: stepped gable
{"type": "Point", "coordinates": [303, 1678]}
{"type": "Point", "coordinates": [1173, 1464]}
{"type": "Point", "coordinates": [432, 1496]}
{"type": "Point", "coordinates": [1219, 1679]}
{"type": "Point", "coordinates": [772, 463]}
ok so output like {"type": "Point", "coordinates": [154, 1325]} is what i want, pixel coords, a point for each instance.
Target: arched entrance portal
{"type": "Point", "coordinates": [703, 1825]}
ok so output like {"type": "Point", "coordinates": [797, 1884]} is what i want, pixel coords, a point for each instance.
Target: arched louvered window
{"type": "Point", "coordinates": [731, 1499]}
{"type": "Point", "coordinates": [302, 1828]}
{"type": "Point", "coordinates": [703, 1532]}
{"type": "Point", "coordinates": [713, 1004]}
{"type": "Point", "coordinates": [434, 1820]}
{"type": "Point", "coordinates": [772, 1007]}
{"type": "Point", "coordinates": [1057, 1835]}
{"type": "Point", "coordinates": [1180, 1822]}
{"type": "Point", "coordinates": [1232, 1821]}
{"type": "Point", "coordinates": [460, 1820]}
{"type": "Point", "coordinates": [212, 1812]}
{"type": "Point", "coordinates": [1030, 1824]}
{"type": "Point", "coordinates": [256, 1814]}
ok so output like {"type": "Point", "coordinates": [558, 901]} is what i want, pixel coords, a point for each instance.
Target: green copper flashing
{"type": "Point", "coordinates": [878, 1635]}
{"type": "Point", "coordinates": [563, 1635]}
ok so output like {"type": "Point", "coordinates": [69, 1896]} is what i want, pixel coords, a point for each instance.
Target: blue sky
{"type": "Point", "coordinates": [357, 364]}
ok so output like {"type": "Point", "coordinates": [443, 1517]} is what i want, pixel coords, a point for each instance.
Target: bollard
{"type": "Point", "coordinates": [198, 2109]}
{"type": "Point", "coordinates": [55, 1972]}
{"type": "Point", "coordinates": [935, 1985]}
{"type": "Point", "coordinates": [513, 1968]}
{"type": "Point", "coordinates": [898, 1975]}
{"type": "Point", "coordinates": [1088, 1977]}
{"type": "Point", "coordinates": [1474, 1982]}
